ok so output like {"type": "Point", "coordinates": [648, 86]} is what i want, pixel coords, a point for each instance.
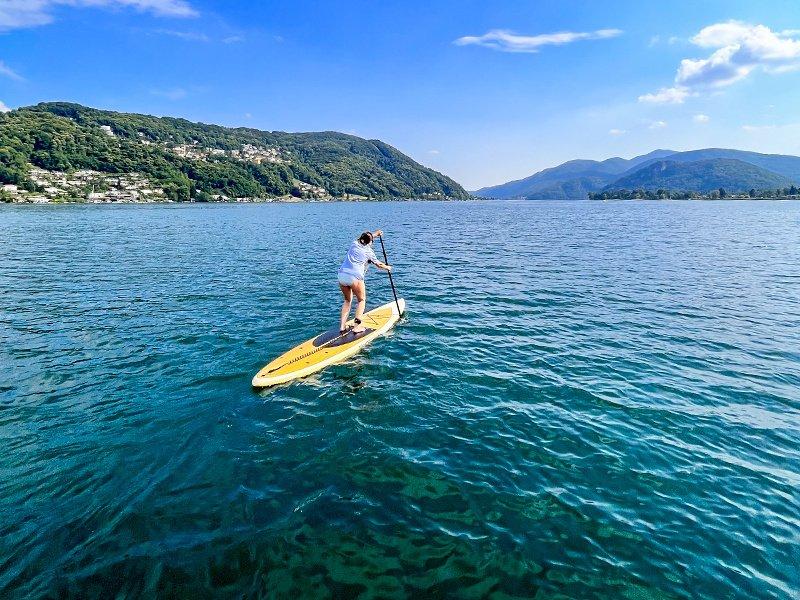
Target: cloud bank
{"type": "Point", "coordinates": [739, 49]}
{"type": "Point", "coordinates": [508, 41]}
{"type": "Point", "coordinates": [17, 14]}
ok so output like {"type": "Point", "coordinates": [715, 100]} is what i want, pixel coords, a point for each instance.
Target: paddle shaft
{"type": "Point", "coordinates": [391, 281]}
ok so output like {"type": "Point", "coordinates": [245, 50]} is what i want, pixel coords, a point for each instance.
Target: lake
{"type": "Point", "coordinates": [583, 400]}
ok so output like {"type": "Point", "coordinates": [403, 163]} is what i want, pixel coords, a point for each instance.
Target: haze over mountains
{"type": "Point", "coordinates": [694, 170]}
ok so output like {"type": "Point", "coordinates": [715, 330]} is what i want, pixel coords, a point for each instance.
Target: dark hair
{"type": "Point", "coordinates": [365, 238]}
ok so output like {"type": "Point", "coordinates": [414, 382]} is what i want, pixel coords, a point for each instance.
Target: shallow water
{"type": "Point", "coordinates": [585, 400]}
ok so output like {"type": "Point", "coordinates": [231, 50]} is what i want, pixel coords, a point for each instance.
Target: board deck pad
{"type": "Point", "coordinates": [328, 348]}
{"type": "Point", "coordinates": [329, 338]}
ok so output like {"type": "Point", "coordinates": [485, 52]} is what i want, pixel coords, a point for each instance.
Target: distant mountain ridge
{"type": "Point", "coordinates": [782, 164]}
{"type": "Point", "coordinates": [700, 176]}
{"type": "Point", "coordinates": [699, 170]}
{"type": "Point", "coordinates": [590, 175]}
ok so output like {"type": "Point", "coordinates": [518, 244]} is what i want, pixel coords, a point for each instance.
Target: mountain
{"type": "Point", "coordinates": [575, 179]}
{"type": "Point", "coordinates": [572, 179]}
{"type": "Point", "coordinates": [701, 176]}
{"type": "Point", "coordinates": [788, 166]}
{"type": "Point", "coordinates": [187, 160]}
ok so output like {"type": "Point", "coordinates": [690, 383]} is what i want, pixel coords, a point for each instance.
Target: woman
{"type": "Point", "coordinates": [351, 277]}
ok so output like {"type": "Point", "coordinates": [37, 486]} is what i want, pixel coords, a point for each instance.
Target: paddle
{"type": "Point", "coordinates": [391, 281]}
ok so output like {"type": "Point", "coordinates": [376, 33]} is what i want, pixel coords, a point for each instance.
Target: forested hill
{"type": "Point", "coordinates": [701, 176]}
{"type": "Point", "coordinates": [203, 162]}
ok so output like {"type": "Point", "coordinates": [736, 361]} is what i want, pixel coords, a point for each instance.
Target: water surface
{"type": "Point", "coordinates": [584, 400]}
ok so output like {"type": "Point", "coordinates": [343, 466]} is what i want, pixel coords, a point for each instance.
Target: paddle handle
{"type": "Point", "coordinates": [391, 281]}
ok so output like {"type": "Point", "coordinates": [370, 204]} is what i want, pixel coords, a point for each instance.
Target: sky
{"type": "Point", "coordinates": [482, 91]}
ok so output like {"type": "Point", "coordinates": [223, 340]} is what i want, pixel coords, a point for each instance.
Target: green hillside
{"type": "Point", "coordinates": [701, 176]}
{"type": "Point", "coordinates": [198, 161]}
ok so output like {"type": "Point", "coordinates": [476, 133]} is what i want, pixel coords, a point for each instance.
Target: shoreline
{"type": "Point", "coordinates": [218, 203]}
{"type": "Point", "coordinates": [364, 200]}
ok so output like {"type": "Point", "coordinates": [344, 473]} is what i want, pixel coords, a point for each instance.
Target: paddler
{"type": "Point", "coordinates": [351, 277]}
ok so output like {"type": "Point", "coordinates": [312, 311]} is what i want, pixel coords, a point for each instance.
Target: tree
{"type": "Point", "coordinates": [752, 193]}
{"type": "Point", "coordinates": [722, 192]}
{"type": "Point", "coordinates": [202, 196]}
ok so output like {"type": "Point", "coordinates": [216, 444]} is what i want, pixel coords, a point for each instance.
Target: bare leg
{"type": "Point", "coordinates": [348, 296]}
{"type": "Point", "coordinates": [360, 290]}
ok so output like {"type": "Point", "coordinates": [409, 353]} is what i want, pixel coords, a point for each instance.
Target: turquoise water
{"type": "Point", "coordinates": [584, 400]}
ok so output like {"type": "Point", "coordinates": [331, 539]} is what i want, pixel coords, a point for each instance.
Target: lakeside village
{"type": "Point", "coordinates": [96, 187]}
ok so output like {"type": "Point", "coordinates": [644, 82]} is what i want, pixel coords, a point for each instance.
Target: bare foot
{"type": "Point", "coordinates": [359, 329]}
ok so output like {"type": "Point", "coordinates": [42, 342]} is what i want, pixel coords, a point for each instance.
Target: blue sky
{"type": "Point", "coordinates": [482, 91]}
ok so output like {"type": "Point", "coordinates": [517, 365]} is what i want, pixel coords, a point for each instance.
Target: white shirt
{"type": "Point", "coordinates": [357, 259]}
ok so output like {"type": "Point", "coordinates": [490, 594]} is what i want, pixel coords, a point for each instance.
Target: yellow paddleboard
{"type": "Point", "coordinates": [328, 348]}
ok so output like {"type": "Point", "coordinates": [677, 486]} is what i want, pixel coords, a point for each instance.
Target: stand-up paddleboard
{"type": "Point", "coordinates": [329, 348]}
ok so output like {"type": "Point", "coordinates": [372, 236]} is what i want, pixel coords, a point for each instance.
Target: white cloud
{"type": "Point", "coordinates": [3, 107]}
{"type": "Point", "coordinates": [739, 50]}
{"type": "Point", "coordinates": [166, 8]}
{"type": "Point", "coordinates": [673, 95]}
{"type": "Point", "coordinates": [16, 14]}
{"type": "Point", "coordinates": [176, 93]}
{"type": "Point", "coordinates": [616, 132]}
{"type": "Point", "coordinates": [701, 118]}
{"type": "Point", "coordinates": [7, 71]}
{"type": "Point", "coordinates": [757, 128]}
{"type": "Point", "coordinates": [718, 70]}
{"type": "Point", "coordinates": [657, 125]}
{"type": "Point", "coordinates": [654, 40]}
{"type": "Point", "coordinates": [508, 41]}
{"type": "Point", "coordinates": [188, 36]}
{"type": "Point", "coordinates": [433, 152]}
{"type": "Point", "coordinates": [197, 36]}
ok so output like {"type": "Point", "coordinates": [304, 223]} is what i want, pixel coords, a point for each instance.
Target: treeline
{"type": "Point", "coordinates": [68, 137]}
{"type": "Point", "coordinates": [721, 193]}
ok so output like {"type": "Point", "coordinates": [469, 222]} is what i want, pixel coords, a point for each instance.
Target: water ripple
{"type": "Point", "coordinates": [584, 400]}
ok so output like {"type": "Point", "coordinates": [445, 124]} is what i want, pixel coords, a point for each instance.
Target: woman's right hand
{"type": "Point", "coordinates": [377, 233]}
